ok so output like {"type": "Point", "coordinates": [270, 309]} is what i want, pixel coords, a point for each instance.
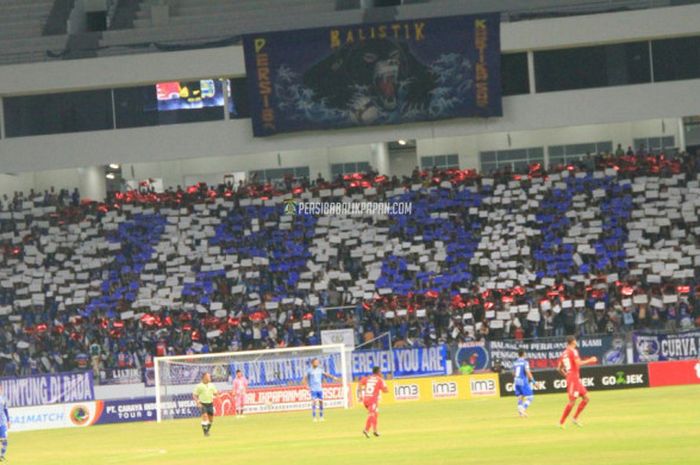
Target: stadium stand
{"type": "Point", "coordinates": [188, 21]}
{"type": "Point", "coordinates": [189, 232]}
{"type": "Point", "coordinates": [21, 28]}
{"type": "Point", "coordinates": [213, 12]}
{"type": "Point", "coordinates": [30, 49]}
{"type": "Point", "coordinates": [133, 27]}
{"type": "Point", "coordinates": [21, 19]}
{"type": "Point", "coordinates": [604, 246]}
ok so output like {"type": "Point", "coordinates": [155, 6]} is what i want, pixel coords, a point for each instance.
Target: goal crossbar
{"type": "Point", "coordinates": [243, 353]}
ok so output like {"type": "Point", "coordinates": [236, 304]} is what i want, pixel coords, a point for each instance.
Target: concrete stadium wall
{"type": "Point", "coordinates": [40, 180]}
{"type": "Point", "coordinates": [319, 160]}
{"type": "Point", "coordinates": [469, 147]}
{"type": "Point", "coordinates": [234, 138]}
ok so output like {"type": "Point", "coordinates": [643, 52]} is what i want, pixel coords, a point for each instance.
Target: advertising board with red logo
{"type": "Point", "coordinates": [674, 373]}
{"type": "Point", "coordinates": [55, 416]}
{"type": "Point", "coordinates": [279, 399]}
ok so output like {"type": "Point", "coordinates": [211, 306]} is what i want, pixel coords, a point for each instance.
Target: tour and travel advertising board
{"type": "Point", "coordinates": [374, 74]}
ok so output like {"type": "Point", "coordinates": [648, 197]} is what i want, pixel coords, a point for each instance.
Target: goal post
{"type": "Point", "coordinates": [275, 379]}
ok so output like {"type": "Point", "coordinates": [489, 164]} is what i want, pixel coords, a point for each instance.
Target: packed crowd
{"type": "Point", "coordinates": [606, 245]}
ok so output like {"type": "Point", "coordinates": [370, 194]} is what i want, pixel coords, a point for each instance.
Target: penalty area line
{"type": "Point", "coordinates": [138, 454]}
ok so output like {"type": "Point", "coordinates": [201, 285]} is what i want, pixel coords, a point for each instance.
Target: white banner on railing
{"type": "Point", "coordinates": [339, 336]}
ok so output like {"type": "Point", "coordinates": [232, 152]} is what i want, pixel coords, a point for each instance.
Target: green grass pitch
{"type": "Point", "coordinates": [639, 426]}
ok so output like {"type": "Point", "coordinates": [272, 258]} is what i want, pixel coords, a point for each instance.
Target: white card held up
{"type": "Point", "coordinates": [670, 298]}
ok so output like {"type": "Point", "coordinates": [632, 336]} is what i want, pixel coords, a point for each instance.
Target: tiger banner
{"type": "Point", "coordinates": [374, 74]}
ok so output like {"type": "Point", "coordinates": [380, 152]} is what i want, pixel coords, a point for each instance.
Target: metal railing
{"type": "Point", "coordinates": [112, 6]}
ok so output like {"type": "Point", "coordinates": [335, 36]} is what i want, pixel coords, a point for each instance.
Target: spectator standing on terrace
{"type": "Point", "coordinates": [95, 354]}
{"type": "Point", "coordinates": [75, 198]}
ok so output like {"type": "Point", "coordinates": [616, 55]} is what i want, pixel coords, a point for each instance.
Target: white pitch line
{"type": "Point", "coordinates": [139, 455]}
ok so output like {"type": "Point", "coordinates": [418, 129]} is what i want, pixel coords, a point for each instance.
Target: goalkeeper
{"type": "Point", "coordinates": [314, 379]}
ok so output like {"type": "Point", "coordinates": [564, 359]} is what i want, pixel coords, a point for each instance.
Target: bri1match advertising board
{"type": "Point", "coordinates": [75, 415]}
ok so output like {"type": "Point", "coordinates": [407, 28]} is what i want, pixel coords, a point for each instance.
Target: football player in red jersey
{"type": "Point", "coordinates": [370, 389]}
{"type": "Point", "coordinates": [569, 367]}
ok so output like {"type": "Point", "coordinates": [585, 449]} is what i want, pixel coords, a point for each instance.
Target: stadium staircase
{"type": "Point", "coordinates": [57, 22]}
{"type": "Point", "coordinates": [125, 14]}
{"type": "Point", "coordinates": [23, 19]}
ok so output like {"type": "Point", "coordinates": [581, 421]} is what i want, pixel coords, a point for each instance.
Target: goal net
{"type": "Point", "coordinates": [275, 380]}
